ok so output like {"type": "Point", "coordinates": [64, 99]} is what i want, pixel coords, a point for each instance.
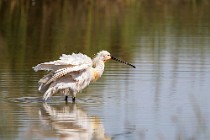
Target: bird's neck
{"type": "Point", "coordinates": [98, 69]}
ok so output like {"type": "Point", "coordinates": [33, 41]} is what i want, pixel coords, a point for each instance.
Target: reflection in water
{"type": "Point", "coordinates": [71, 122]}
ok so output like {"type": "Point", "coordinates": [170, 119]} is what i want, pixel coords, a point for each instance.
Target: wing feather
{"type": "Point", "coordinates": [61, 72]}
{"type": "Point", "coordinates": [67, 64]}
{"type": "Point", "coordinates": [65, 61]}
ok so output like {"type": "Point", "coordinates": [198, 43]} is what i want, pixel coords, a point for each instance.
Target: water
{"type": "Point", "coordinates": [165, 97]}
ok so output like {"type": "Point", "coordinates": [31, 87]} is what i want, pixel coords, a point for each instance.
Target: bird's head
{"type": "Point", "coordinates": [105, 55]}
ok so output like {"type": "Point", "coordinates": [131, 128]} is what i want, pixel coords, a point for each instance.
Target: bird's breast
{"type": "Point", "coordinates": [95, 75]}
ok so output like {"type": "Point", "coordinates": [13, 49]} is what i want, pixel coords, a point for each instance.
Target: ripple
{"type": "Point", "coordinates": [25, 100]}
{"type": "Point", "coordinates": [54, 99]}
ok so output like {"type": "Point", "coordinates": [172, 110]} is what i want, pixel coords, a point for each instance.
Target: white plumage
{"type": "Point", "coordinates": [71, 73]}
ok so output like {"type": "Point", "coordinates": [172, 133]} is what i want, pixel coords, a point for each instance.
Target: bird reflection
{"type": "Point", "coordinates": [70, 122]}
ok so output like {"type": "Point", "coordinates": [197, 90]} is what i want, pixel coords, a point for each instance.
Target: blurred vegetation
{"type": "Point", "coordinates": [44, 29]}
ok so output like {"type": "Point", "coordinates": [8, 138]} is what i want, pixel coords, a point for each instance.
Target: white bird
{"type": "Point", "coordinates": [72, 73]}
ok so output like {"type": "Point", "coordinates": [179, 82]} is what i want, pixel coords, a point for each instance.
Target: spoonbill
{"type": "Point", "coordinates": [72, 73]}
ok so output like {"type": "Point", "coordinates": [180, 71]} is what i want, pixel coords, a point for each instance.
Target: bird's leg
{"type": "Point", "coordinates": [73, 99]}
{"type": "Point", "coordinates": [66, 98]}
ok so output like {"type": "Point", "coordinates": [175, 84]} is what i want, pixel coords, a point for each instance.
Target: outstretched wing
{"type": "Point", "coordinates": [75, 60]}
{"type": "Point", "coordinates": [65, 65]}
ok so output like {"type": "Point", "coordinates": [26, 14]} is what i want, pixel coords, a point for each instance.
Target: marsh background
{"type": "Point", "coordinates": [165, 97]}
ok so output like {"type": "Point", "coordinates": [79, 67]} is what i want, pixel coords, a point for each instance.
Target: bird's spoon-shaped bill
{"type": "Point", "coordinates": [121, 61]}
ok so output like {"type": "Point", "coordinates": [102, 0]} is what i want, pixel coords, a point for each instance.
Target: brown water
{"type": "Point", "coordinates": [165, 97]}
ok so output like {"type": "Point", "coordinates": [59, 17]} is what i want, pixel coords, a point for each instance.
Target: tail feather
{"type": "Point", "coordinates": [43, 82]}
{"type": "Point", "coordinates": [49, 93]}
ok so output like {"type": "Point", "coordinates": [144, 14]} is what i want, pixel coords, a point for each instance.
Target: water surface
{"type": "Point", "coordinates": [165, 97]}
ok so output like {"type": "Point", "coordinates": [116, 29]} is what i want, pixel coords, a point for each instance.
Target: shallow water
{"type": "Point", "coordinates": [165, 97]}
